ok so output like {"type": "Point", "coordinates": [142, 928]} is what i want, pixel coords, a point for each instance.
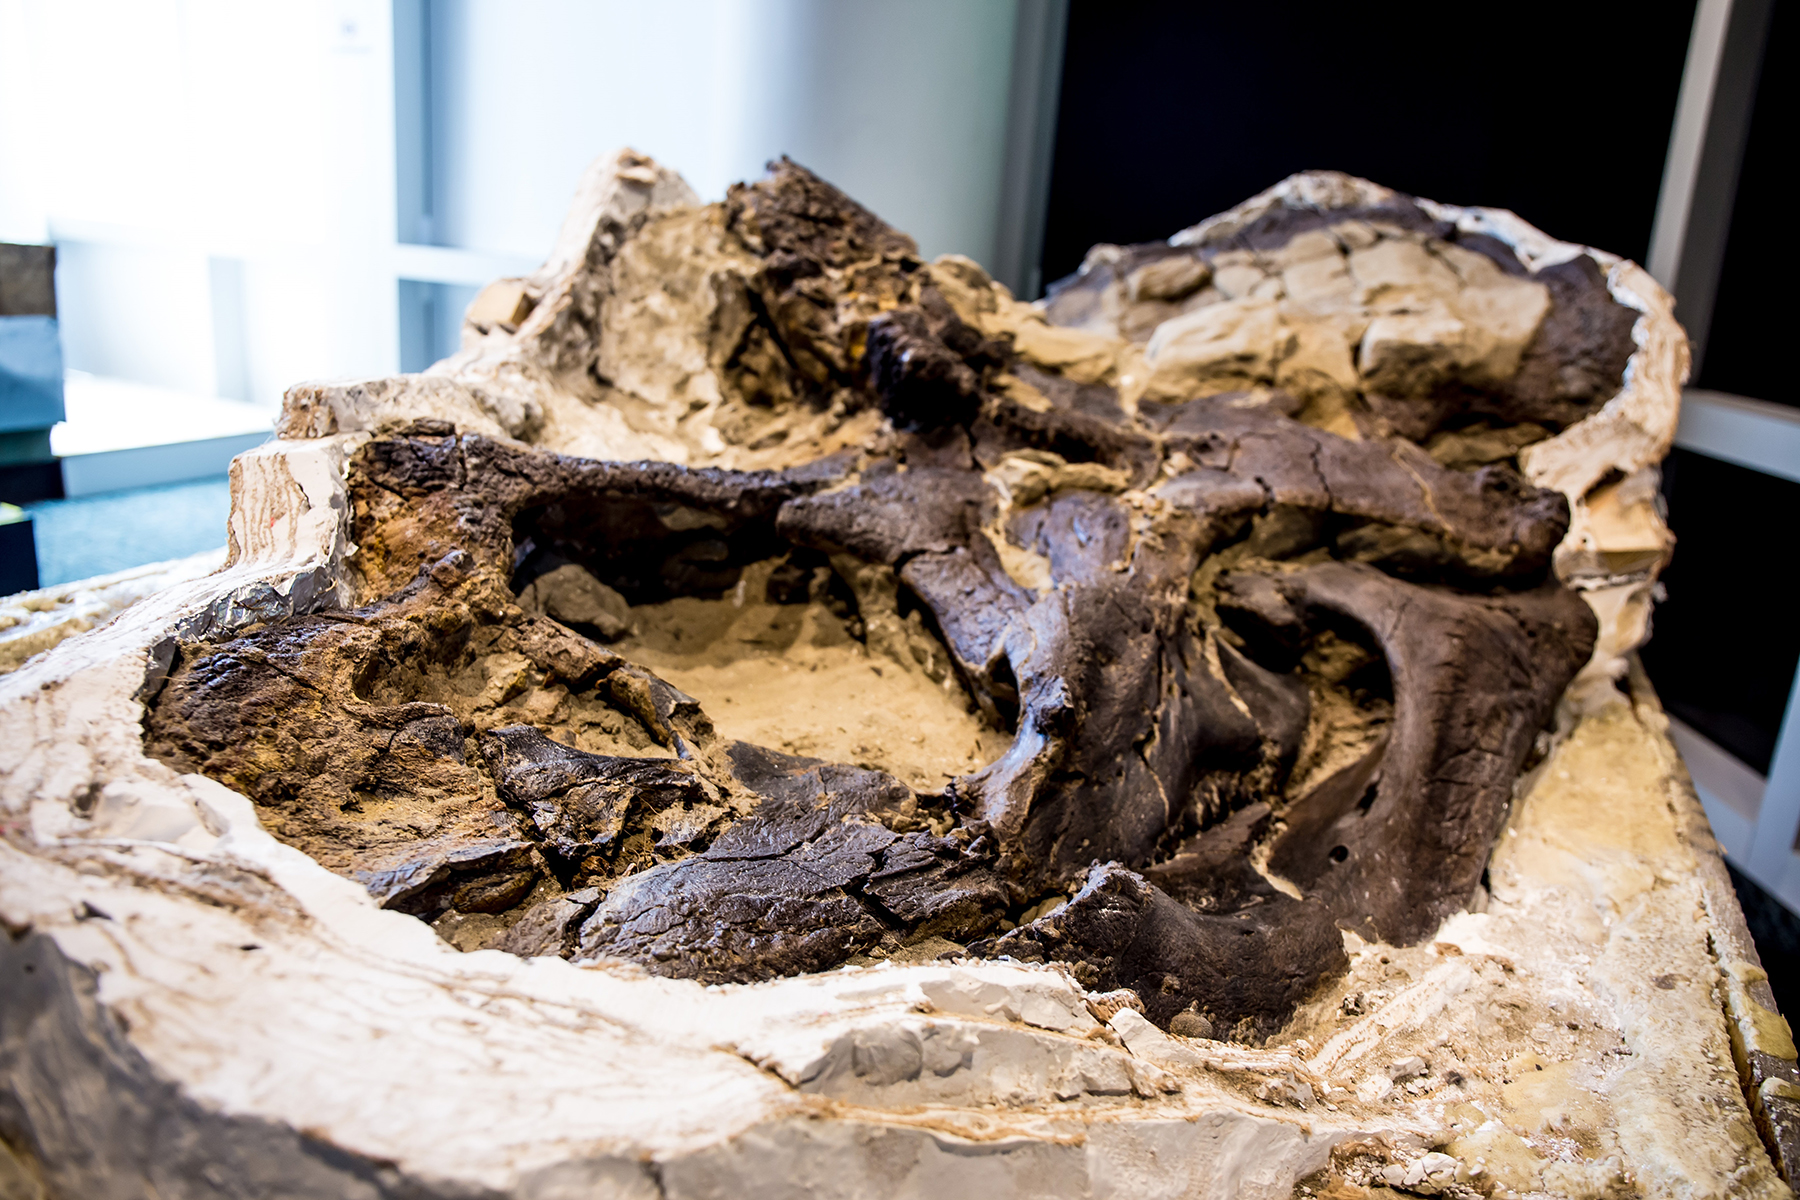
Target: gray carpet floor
{"type": "Point", "coordinates": [94, 535]}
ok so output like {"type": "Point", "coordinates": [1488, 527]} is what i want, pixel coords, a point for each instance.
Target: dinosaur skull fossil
{"type": "Point", "coordinates": [1249, 616]}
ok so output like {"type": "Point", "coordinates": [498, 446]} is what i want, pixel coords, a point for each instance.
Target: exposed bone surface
{"type": "Point", "coordinates": [1396, 842]}
{"type": "Point", "coordinates": [467, 745]}
{"type": "Point", "coordinates": [751, 599]}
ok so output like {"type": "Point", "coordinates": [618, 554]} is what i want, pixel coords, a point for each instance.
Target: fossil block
{"type": "Point", "coordinates": [774, 715]}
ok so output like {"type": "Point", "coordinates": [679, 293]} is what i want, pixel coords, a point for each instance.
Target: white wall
{"type": "Point", "coordinates": [220, 175]}
{"type": "Point", "coordinates": [137, 312]}
{"type": "Point", "coordinates": [902, 104]}
{"type": "Point", "coordinates": [176, 115]}
{"type": "Point", "coordinates": [153, 140]}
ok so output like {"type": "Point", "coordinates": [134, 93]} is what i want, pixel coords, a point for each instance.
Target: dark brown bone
{"type": "Point", "coordinates": [830, 265]}
{"type": "Point", "coordinates": [1125, 733]}
{"type": "Point", "coordinates": [1410, 514]}
{"type": "Point", "coordinates": [1201, 930]}
{"type": "Point", "coordinates": [1475, 678]}
{"type": "Point", "coordinates": [1076, 434]}
{"type": "Point", "coordinates": [1244, 971]}
{"type": "Point", "coordinates": [389, 791]}
{"type": "Point", "coordinates": [809, 878]}
{"type": "Point", "coordinates": [580, 801]}
{"type": "Point", "coordinates": [279, 716]}
{"type": "Point", "coordinates": [928, 367]}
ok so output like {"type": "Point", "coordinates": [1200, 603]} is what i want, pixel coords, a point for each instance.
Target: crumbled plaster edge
{"type": "Point", "coordinates": [1762, 1042]}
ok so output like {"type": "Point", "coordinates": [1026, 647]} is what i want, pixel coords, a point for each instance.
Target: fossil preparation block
{"type": "Point", "coordinates": [775, 715]}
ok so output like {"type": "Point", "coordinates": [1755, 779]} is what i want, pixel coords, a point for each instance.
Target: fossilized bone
{"type": "Point", "coordinates": [1137, 721]}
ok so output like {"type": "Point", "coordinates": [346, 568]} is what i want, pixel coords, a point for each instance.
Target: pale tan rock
{"type": "Point", "coordinates": [1397, 274]}
{"type": "Point", "coordinates": [1436, 314]}
{"type": "Point", "coordinates": [1620, 533]}
{"type": "Point", "coordinates": [1236, 281]}
{"type": "Point", "coordinates": [968, 286]}
{"type": "Point", "coordinates": [1437, 325]}
{"type": "Point", "coordinates": [1170, 279]}
{"type": "Point", "coordinates": [1611, 869]}
{"type": "Point", "coordinates": [505, 302]}
{"type": "Point", "coordinates": [1073, 353]}
{"type": "Point", "coordinates": [1022, 393]}
{"type": "Point", "coordinates": [1217, 348]}
{"type": "Point", "coordinates": [1320, 367]}
{"type": "Point", "coordinates": [1311, 245]}
{"type": "Point", "coordinates": [1410, 351]}
{"type": "Point", "coordinates": [1501, 311]}
{"type": "Point", "coordinates": [1322, 283]}
{"type": "Point", "coordinates": [316, 410]}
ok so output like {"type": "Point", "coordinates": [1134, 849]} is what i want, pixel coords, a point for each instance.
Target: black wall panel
{"type": "Point", "coordinates": [1171, 112]}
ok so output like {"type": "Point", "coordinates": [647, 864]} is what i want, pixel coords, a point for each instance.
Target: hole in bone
{"type": "Point", "coordinates": [1004, 688]}
{"type": "Point", "coordinates": [770, 638]}
{"type": "Point", "coordinates": [1344, 656]}
{"type": "Point", "coordinates": [1284, 531]}
{"type": "Point", "coordinates": [645, 551]}
{"type": "Point", "coordinates": [1612, 478]}
{"type": "Point", "coordinates": [1352, 704]}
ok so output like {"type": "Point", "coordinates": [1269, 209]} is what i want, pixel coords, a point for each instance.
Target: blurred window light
{"type": "Point", "coordinates": [244, 196]}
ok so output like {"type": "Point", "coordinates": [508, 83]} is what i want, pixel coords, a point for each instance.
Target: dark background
{"type": "Point", "coordinates": [1561, 112]}
{"type": "Point", "coordinates": [1174, 111]}
{"type": "Point", "coordinates": [1725, 641]}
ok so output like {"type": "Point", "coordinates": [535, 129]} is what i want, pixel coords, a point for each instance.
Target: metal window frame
{"type": "Point", "coordinates": [1755, 818]}
{"type": "Point", "coordinates": [1039, 34]}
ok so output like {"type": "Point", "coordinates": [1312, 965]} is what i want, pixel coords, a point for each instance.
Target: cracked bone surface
{"type": "Point", "coordinates": [850, 732]}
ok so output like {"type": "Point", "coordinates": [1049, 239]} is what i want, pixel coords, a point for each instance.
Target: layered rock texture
{"type": "Point", "coordinates": [752, 598]}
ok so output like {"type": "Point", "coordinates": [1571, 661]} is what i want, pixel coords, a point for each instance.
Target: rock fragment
{"type": "Point", "coordinates": [573, 596]}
